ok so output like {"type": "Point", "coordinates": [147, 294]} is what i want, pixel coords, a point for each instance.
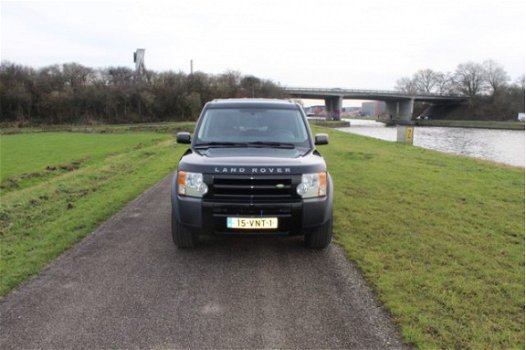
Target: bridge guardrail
{"type": "Point", "coordinates": [364, 91]}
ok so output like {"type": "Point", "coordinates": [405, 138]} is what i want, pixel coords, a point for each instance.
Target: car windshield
{"type": "Point", "coordinates": [255, 126]}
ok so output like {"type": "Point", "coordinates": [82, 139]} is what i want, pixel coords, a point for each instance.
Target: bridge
{"type": "Point", "coordinates": [399, 105]}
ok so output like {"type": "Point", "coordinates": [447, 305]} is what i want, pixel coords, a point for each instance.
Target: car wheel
{"type": "Point", "coordinates": [320, 237]}
{"type": "Point", "coordinates": [182, 237]}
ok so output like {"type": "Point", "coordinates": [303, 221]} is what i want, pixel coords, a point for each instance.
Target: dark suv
{"type": "Point", "coordinates": [252, 169]}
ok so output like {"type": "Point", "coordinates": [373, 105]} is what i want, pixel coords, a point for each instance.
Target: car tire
{"type": "Point", "coordinates": [320, 237]}
{"type": "Point", "coordinates": [182, 237]}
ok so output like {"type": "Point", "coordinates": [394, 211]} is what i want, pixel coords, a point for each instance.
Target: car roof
{"type": "Point", "coordinates": [252, 103]}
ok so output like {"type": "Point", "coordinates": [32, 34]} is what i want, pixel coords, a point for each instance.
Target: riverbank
{"type": "Point", "coordinates": [439, 236]}
{"type": "Point", "coordinates": [477, 124]}
{"type": "Point", "coordinates": [330, 123]}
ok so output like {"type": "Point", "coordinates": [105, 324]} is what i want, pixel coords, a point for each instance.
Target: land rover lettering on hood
{"type": "Point", "coordinates": [252, 169]}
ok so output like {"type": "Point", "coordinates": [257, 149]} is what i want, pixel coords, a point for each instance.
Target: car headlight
{"type": "Point", "coordinates": [313, 185]}
{"type": "Point", "coordinates": [191, 184]}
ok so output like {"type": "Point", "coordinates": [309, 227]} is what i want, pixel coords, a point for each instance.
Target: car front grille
{"type": "Point", "coordinates": [252, 189]}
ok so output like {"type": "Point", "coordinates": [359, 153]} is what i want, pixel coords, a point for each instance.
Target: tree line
{"type": "Point", "coordinates": [492, 94]}
{"type": "Point", "coordinates": [73, 93]}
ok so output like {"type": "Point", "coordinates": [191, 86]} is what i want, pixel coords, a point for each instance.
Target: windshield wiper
{"type": "Point", "coordinates": [219, 145]}
{"type": "Point", "coordinates": [270, 144]}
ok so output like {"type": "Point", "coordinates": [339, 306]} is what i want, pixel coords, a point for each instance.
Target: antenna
{"type": "Point", "coordinates": [138, 58]}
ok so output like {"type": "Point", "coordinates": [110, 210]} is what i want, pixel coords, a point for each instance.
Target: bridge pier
{"type": "Point", "coordinates": [400, 109]}
{"type": "Point", "coordinates": [333, 106]}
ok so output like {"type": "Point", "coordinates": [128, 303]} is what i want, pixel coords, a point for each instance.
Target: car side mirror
{"type": "Point", "coordinates": [321, 139]}
{"type": "Point", "coordinates": [183, 137]}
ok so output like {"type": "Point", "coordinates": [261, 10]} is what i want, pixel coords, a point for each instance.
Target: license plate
{"type": "Point", "coordinates": [252, 223]}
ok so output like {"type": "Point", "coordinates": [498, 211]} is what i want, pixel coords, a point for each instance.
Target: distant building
{"type": "Point", "coordinates": [373, 108]}
{"type": "Point", "coordinates": [520, 117]}
{"type": "Point", "coordinates": [351, 111]}
{"type": "Point", "coordinates": [318, 111]}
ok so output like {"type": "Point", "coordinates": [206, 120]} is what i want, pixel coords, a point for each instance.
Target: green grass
{"type": "Point", "coordinates": [440, 237]}
{"type": "Point", "coordinates": [40, 220]}
{"type": "Point", "coordinates": [32, 153]}
{"type": "Point", "coordinates": [161, 127]}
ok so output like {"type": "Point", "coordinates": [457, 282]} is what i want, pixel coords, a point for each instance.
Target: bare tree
{"type": "Point", "coordinates": [226, 84]}
{"type": "Point", "coordinates": [519, 82]}
{"type": "Point", "coordinates": [445, 84]}
{"type": "Point", "coordinates": [470, 78]}
{"type": "Point", "coordinates": [406, 85]}
{"type": "Point", "coordinates": [119, 76]}
{"type": "Point", "coordinates": [76, 75]}
{"type": "Point", "coordinates": [74, 93]}
{"type": "Point", "coordinates": [250, 85]}
{"type": "Point", "coordinates": [491, 96]}
{"type": "Point", "coordinates": [425, 81]}
{"type": "Point", "coordinates": [495, 76]}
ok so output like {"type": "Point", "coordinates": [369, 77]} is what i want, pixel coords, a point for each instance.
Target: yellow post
{"type": "Point", "coordinates": [404, 134]}
{"type": "Point", "coordinates": [409, 132]}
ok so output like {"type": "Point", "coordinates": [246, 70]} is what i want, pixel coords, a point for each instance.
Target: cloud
{"type": "Point", "coordinates": [326, 44]}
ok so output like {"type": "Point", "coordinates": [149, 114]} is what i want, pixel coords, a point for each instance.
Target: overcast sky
{"type": "Point", "coordinates": [355, 44]}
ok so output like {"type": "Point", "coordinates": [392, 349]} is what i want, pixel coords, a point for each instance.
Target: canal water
{"type": "Point", "coordinates": [503, 146]}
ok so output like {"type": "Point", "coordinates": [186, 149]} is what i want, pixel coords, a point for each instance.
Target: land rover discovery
{"type": "Point", "coordinates": [252, 169]}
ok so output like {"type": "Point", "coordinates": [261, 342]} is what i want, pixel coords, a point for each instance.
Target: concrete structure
{"type": "Point", "coordinates": [399, 105]}
{"type": "Point", "coordinates": [405, 134]}
{"type": "Point", "coordinates": [333, 105]}
{"type": "Point", "coordinates": [138, 59]}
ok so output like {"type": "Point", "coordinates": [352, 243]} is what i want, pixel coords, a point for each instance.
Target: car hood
{"type": "Point", "coordinates": [250, 161]}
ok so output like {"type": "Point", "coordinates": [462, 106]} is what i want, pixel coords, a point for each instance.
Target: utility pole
{"type": "Point", "coordinates": [191, 66]}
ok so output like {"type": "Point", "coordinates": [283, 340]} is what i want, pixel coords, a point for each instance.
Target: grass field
{"type": "Point", "coordinates": [161, 127]}
{"type": "Point", "coordinates": [43, 212]}
{"type": "Point", "coordinates": [33, 158]}
{"type": "Point", "coordinates": [439, 237]}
